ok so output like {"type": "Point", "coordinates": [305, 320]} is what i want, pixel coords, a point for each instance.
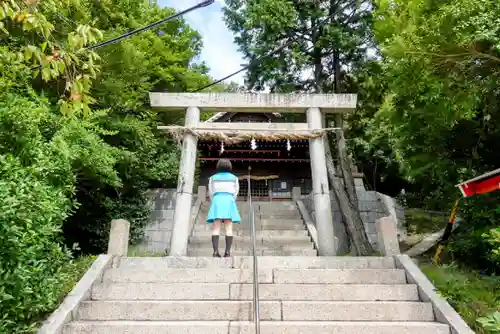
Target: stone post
{"type": "Point", "coordinates": [202, 194]}
{"type": "Point", "coordinates": [296, 193]}
{"type": "Point", "coordinates": [184, 196]}
{"type": "Point", "coordinates": [118, 237]}
{"type": "Point", "coordinates": [321, 192]}
{"type": "Point", "coordinates": [387, 236]}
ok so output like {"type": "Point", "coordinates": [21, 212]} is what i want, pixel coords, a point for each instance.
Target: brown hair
{"type": "Point", "coordinates": [224, 165]}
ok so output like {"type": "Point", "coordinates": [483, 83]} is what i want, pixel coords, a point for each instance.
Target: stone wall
{"type": "Point", "coordinates": [372, 206]}
{"type": "Point", "coordinates": [159, 230]}
{"type": "Point", "coordinates": [338, 226]}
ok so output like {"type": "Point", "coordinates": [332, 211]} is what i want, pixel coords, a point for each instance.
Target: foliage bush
{"type": "Point", "coordinates": [79, 146]}
{"type": "Point", "coordinates": [39, 154]}
{"type": "Point", "coordinates": [474, 296]}
{"type": "Point", "coordinates": [422, 221]}
{"type": "Point", "coordinates": [491, 322]}
{"type": "Point", "coordinates": [32, 213]}
{"type": "Point", "coordinates": [474, 243]}
{"type": "Point", "coordinates": [493, 238]}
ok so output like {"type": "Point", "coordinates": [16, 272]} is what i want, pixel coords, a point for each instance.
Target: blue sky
{"type": "Point", "coordinates": [219, 51]}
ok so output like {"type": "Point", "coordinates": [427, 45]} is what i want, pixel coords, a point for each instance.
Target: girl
{"type": "Point", "coordinates": [223, 188]}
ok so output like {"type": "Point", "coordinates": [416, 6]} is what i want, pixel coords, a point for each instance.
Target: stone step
{"type": "Point", "coordinates": [267, 240]}
{"type": "Point", "coordinates": [270, 291]}
{"type": "Point", "coordinates": [260, 234]}
{"type": "Point", "coordinates": [274, 221]}
{"type": "Point", "coordinates": [246, 228]}
{"type": "Point", "coordinates": [335, 276]}
{"type": "Point", "coordinates": [247, 246]}
{"type": "Point", "coordinates": [278, 262]}
{"type": "Point", "coordinates": [161, 291]}
{"type": "Point", "coordinates": [245, 327]}
{"type": "Point", "coordinates": [327, 292]}
{"type": "Point", "coordinates": [357, 311]}
{"type": "Point", "coordinates": [337, 327]}
{"type": "Point", "coordinates": [148, 327]}
{"type": "Point", "coordinates": [266, 275]}
{"type": "Point", "coordinates": [186, 275]}
{"type": "Point", "coordinates": [270, 213]}
{"type": "Point", "coordinates": [266, 216]}
{"type": "Point", "coordinates": [281, 216]}
{"type": "Point", "coordinates": [243, 310]}
{"type": "Point", "coordinates": [177, 310]}
{"type": "Point", "coordinates": [193, 251]}
{"type": "Point", "coordinates": [276, 205]}
{"type": "Point", "coordinates": [277, 209]}
{"type": "Point", "coordinates": [260, 222]}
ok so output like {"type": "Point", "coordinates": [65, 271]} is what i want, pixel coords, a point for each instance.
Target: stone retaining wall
{"type": "Point", "coordinates": [159, 230]}
{"type": "Point", "coordinates": [372, 205]}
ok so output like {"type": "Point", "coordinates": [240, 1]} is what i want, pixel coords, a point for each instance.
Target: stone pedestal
{"type": "Point", "coordinates": [321, 192]}
{"type": "Point", "coordinates": [387, 236]}
{"type": "Point", "coordinates": [118, 237]}
{"type": "Point", "coordinates": [202, 194]}
{"type": "Point", "coordinates": [184, 196]}
{"type": "Point", "coordinates": [296, 193]}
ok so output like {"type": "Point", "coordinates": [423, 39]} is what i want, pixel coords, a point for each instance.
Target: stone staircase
{"type": "Point", "coordinates": [299, 292]}
{"type": "Point", "coordinates": [280, 231]}
{"type": "Point", "coordinates": [299, 295]}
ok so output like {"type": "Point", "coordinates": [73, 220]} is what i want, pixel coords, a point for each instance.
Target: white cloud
{"type": "Point", "coordinates": [219, 51]}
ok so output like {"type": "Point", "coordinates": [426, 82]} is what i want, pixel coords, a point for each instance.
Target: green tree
{"type": "Point", "coordinates": [75, 151]}
{"type": "Point", "coordinates": [441, 111]}
{"type": "Point", "coordinates": [157, 60]}
{"type": "Point", "coordinates": [320, 43]}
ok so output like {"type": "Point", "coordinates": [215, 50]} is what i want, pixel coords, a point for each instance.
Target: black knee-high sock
{"type": "Point", "coordinates": [229, 242]}
{"type": "Point", "coordinates": [215, 243]}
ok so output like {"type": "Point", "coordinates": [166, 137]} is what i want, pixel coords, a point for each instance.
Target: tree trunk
{"type": "Point", "coordinates": [347, 197]}
{"type": "Point", "coordinates": [345, 192]}
{"type": "Point", "coordinates": [337, 188]}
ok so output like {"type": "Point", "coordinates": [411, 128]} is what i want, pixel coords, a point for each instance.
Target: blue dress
{"type": "Point", "coordinates": [223, 204]}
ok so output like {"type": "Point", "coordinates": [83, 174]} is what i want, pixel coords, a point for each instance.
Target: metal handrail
{"type": "Point", "coordinates": [251, 214]}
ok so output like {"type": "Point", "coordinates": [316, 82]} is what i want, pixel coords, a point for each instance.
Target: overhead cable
{"type": "Point", "coordinates": [146, 28]}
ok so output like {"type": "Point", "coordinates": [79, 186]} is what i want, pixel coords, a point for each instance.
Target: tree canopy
{"type": "Point", "coordinates": [79, 144]}
{"type": "Point", "coordinates": [425, 73]}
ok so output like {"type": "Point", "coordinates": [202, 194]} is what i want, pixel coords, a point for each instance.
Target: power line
{"type": "Point", "coordinates": [146, 28]}
{"type": "Point", "coordinates": [151, 26]}
{"type": "Point", "coordinates": [222, 79]}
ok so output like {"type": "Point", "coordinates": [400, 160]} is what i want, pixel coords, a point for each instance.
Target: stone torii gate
{"type": "Point", "coordinates": [314, 105]}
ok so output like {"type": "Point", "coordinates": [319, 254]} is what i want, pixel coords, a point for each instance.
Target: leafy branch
{"type": "Point", "coordinates": [69, 62]}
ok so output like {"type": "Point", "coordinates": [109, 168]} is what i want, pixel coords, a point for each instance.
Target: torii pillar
{"type": "Point", "coordinates": [312, 104]}
{"type": "Point", "coordinates": [323, 216]}
{"type": "Point", "coordinates": [185, 182]}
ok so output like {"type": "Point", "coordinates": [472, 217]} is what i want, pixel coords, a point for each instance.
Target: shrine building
{"type": "Point", "coordinates": [276, 166]}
